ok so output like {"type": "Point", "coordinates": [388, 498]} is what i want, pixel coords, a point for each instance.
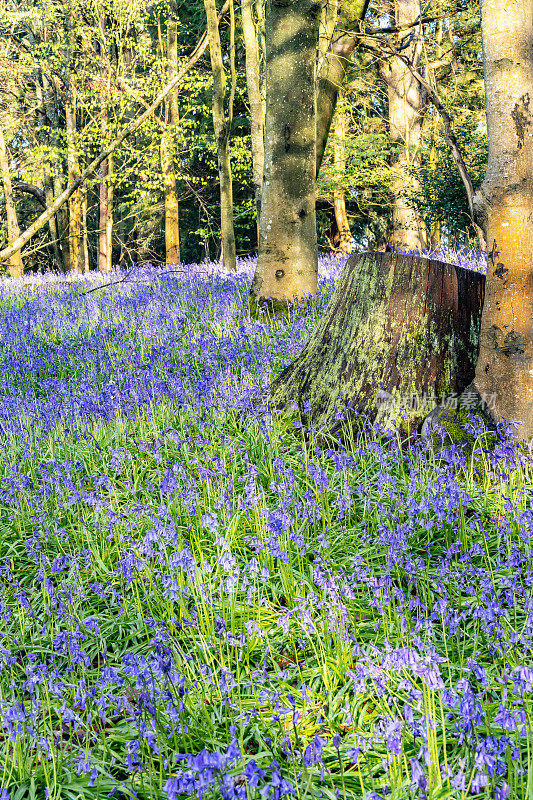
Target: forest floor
{"type": "Point", "coordinates": [199, 601]}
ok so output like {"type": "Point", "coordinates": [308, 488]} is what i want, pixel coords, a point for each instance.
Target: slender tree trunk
{"type": "Point", "coordinates": [103, 241]}
{"type": "Point", "coordinates": [105, 221]}
{"type": "Point", "coordinates": [167, 150]}
{"type": "Point", "coordinates": [504, 206]}
{"type": "Point", "coordinates": [46, 177]}
{"type": "Point", "coordinates": [75, 201]}
{"type": "Point", "coordinates": [84, 234]}
{"type": "Point", "coordinates": [15, 266]}
{"type": "Point", "coordinates": [222, 128]}
{"type": "Point", "coordinates": [407, 103]}
{"type": "Point", "coordinates": [339, 194]}
{"type": "Point", "coordinates": [332, 70]}
{"type": "Point", "coordinates": [110, 212]}
{"type": "Point", "coordinates": [288, 260]}
{"type": "Point", "coordinates": [57, 184]}
{"type": "Point", "coordinates": [254, 98]}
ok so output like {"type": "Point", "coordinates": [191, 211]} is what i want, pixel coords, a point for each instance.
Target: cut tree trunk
{"type": "Point", "coordinates": [400, 334]}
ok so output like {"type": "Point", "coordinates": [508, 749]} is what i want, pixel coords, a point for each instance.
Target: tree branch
{"type": "Point", "coordinates": [28, 188]}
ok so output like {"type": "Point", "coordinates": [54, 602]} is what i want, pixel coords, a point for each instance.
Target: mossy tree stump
{"type": "Point", "coordinates": [400, 332]}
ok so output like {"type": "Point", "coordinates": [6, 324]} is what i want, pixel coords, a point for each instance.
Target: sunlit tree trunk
{"type": "Point", "coordinates": [407, 102]}
{"type": "Point", "coordinates": [105, 222]}
{"type": "Point", "coordinates": [288, 260]}
{"type": "Point", "coordinates": [75, 202]}
{"type": "Point", "coordinates": [222, 128]}
{"type": "Point", "coordinates": [103, 240]}
{"type": "Point", "coordinates": [167, 151]}
{"type": "Point", "coordinates": [254, 98]}
{"type": "Point", "coordinates": [339, 193]}
{"type": "Point", "coordinates": [15, 267]}
{"type": "Point", "coordinates": [504, 206]}
{"type": "Point", "coordinates": [84, 234]}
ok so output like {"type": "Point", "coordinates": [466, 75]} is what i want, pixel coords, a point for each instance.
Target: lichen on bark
{"type": "Point", "coordinates": [398, 331]}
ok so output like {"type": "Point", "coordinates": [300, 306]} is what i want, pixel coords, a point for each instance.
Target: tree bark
{"type": "Point", "coordinates": [254, 98]}
{"type": "Point", "coordinates": [47, 180]}
{"type": "Point", "coordinates": [407, 103]}
{"type": "Point", "coordinates": [339, 194]}
{"type": "Point", "coordinates": [75, 201]}
{"type": "Point", "coordinates": [15, 266]}
{"type": "Point", "coordinates": [333, 70]}
{"type": "Point", "coordinates": [56, 188]}
{"type": "Point", "coordinates": [167, 150]}
{"type": "Point", "coordinates": [504, 205]}
{"type": "Point", "coordinates": [105, 221]}
{"type": "Point", "coordinates": [399, 333]}
{"type": "Point", "coordinates": [85, 266]}
{"type": "Point", "coordinates": [222, 134]}
{"type": "Point", "coordinates": [287, 264]}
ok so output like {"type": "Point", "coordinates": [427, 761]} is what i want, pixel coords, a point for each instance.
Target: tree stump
{"type": "Point", "coordinates": [400, 335]}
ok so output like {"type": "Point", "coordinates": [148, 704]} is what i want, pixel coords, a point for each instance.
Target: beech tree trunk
{"type": "Point", "coordinates": [339, 194]}
{"type": "Point", "coordinates": [254, 98]}
{"type": "Point", "coordinates": [222, 132]}
{"type": "Point", "coordinates": [407, 103]}
{"type": "Point", "coordinates": [399, 333]}
{"type": "Point", "coordinates": [287, 264]}
{"type": "Point", "coordinates": [504, 206]}
{"type": "Point", "coordinates": [167, 150]}
{"type": "Point", "coordinates": [15, 267]}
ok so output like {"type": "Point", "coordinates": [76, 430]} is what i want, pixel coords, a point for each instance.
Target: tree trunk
{"type": "Point", "coordinates": [254, 98]}
{"type": "Point", "coordinates": [75, 201]}
{"type": "Point", "coordinates": [339, 194]}
{"type": "Point", "coordinates": [222, 133]}
{"type": "Point", "coordinates": [56, 188]}
{"type": "Point", "coordinates": [167, 149]}
{"type": "Point", "coordinates": [399, 333]}
{"type": "Point", "coordinates": [407, 102]}
{"type": "Point", "coordinates": [504, 206]}
{"type": "Point", "coordinates": [287, 265]}
{"type": "Point", "coordinates": [105, 221]}
{"type": "Point", "coordinates": [103, 241]}
{"type": "Point", "coordinates": [84, 254]}
{"type": "Point", "coordinates": [15, 267]}
{"type": "Point", "coordinates": [46, 177]}
{"type": "Point", "coordinates": [332, 70]}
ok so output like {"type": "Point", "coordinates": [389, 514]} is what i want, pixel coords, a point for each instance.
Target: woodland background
{"type": "Point", "coordinates": [73, 74]}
